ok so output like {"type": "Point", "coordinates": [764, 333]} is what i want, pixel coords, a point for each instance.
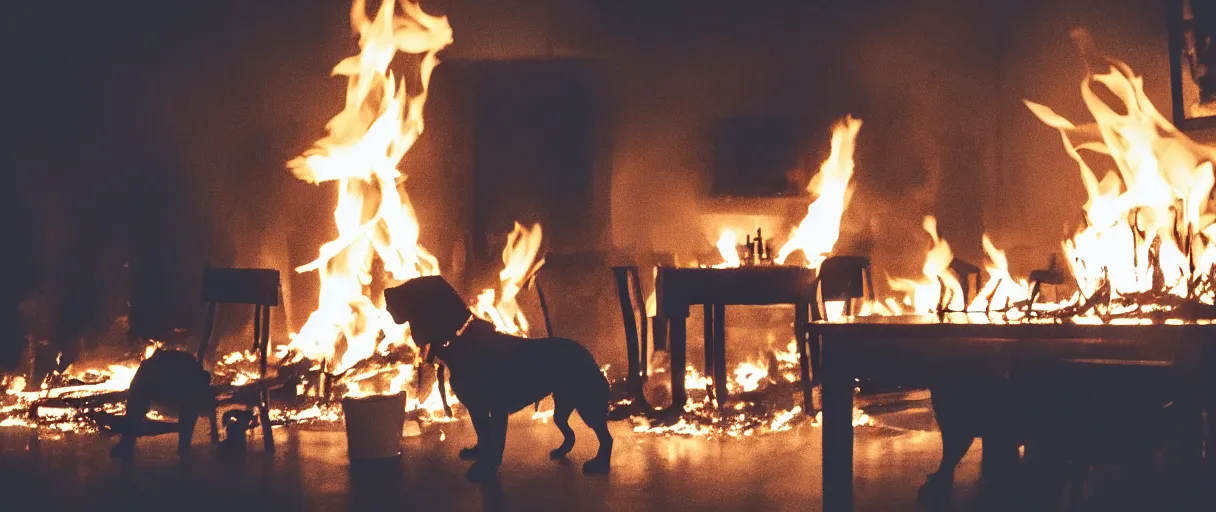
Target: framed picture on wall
{"type": "Point", "coordinates": [1192, 25]}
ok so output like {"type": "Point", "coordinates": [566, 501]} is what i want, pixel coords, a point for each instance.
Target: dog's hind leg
{"type": "Point", "coordinates": [595, 415]}
{"type": "Point", "coordinates": [562, 407]}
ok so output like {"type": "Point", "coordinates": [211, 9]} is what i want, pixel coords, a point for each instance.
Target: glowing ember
{"type": "Point", "coordinates": [747, 377]}
{"type": "Point", "coordinates": [763, 401]}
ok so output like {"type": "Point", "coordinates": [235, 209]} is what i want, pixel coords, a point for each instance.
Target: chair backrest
{"type": "Point", "coordinates": [968, 276]}
{"type": "Point", "coordinates": [843, 278]}
{"type": "Point", "coordinates": [633, 312]}
{"type": "Point", "coordinates": [256, 286]}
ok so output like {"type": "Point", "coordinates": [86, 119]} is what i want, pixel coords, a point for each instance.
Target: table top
{"type": "Point", "coordinates": [677, 288]}
{"type": "Point", "coordinates": [923, 349]}
{"type": "Point", "coordinates": [981, 326]}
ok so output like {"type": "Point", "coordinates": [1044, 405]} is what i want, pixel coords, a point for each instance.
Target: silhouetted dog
{"type": "Point", "coordinates": [979, 403]}
{"type": "Point", "coordinates": [494, 374]}
{"type": "Point", "coordinates": [172, 379]}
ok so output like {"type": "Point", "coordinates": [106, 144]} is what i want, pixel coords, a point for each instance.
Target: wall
{"type": "Point", "coordinates": [939, 84]}
{"type": "Point", "coordinates": [920, 74]}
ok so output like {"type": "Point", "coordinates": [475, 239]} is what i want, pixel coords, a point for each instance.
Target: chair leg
{"type": "Point", "coordinates": [720, 392]}
{"type": "Point", "coordinates": [643, 326]}
{"type": "Point", "coordinates": [631, 333]}
{"type": "Point", "coordinates": [708, 338]}
{"type": "Point", "coordinates": [804, 367]}
{"type": "Point", "coordinates": [208, 329]}
{"type": "Point", "coordinates": [658, 327]}
{"type": "Point", "coordinates": [267, 432]}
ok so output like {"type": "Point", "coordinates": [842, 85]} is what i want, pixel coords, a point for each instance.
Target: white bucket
{"type": "Point", "coordinates": [373, 425]}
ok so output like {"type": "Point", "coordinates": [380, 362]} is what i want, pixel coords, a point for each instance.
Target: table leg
{"type": "Point", "coordinates": [658, 331]}
{"type": "Point", "coordinates": [719, 339]}
{"type": "Point", "coordinates": [678, 340]}
{"type": "Point", "coordinates": [708, 313]}
{"type": "Point", "coordinates": [837, 436]}
{"type": "Point", "coordinates": [804, 365]}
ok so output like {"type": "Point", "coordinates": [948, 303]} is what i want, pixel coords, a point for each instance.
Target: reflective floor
{"type": "Point", "coordinates": [310, 471]}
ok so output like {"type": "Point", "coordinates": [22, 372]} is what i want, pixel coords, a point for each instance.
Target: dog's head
{"type": "Point", "coordinates": [432, 307]}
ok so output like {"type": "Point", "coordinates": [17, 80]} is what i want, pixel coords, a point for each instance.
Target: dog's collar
{"type": "Point", "coordinates": [460, 332]}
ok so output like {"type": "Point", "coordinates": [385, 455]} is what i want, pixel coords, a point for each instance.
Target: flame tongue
{"type": "Point", "coordinates": [520, 263]}
{"type": "Point", "coordinates": [819, 230]}
{"type": "Point", "coordinates": [375, 222]}
{"type": "Point", "coordinates": [925, 295]}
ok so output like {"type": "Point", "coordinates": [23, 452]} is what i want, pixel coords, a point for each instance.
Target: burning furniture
{"type": "Point", "coordinates": [677, 289]}
{"type": "Point", "coordinates": [258, 288]}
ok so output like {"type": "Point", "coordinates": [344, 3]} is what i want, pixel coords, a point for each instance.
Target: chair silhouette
{"type": "Point", "coordinates": [633, 311]}
{"type": "Point", "coordinates": [968, 276]}
{"type": "Point", "coordinates": [252, 286]}
{"type": "Point", "coordinates": [840, 278]}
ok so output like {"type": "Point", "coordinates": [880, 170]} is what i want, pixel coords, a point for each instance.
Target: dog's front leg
{"type": "Point", "coordinates": [480, 418]}
{"type": "Point", "coordinates": [490, 444]}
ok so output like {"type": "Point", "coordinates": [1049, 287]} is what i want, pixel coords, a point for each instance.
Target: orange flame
{"type": "Point", "coordinates": [1142, 215]}
{"type": "Point", "coordinates": [819, 230]}
{"type": "Point", "coordinates": [1001, 288]}
{"type": "Point", "coordinates": [728, 247]}
{"type": "Point", "coordinates": [520, 263]}
{"type": "Point", "coordinates": [924, 295]}
{"type": "Point", "coordinates": [373, 215]}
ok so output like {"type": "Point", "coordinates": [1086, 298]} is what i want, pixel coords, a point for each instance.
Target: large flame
{"type": "Point", "coordinates": [819, 230]}
{"type": "Point", "coordinates": [1148, 237]}
{"type": "Point", "coordinates": [1148, 222]}
{"type": "Point", "coordinates": [377, 242]}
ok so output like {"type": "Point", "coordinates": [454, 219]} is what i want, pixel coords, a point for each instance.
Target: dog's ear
{"type": "Point", "coordinates": [430, 305]}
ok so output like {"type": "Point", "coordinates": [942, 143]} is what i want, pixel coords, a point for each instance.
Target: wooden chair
{"type": "Point", "coordinates": [633, 312]}
{"type": "Point", "coordinates": [968, 276]}
{"type": "Point", "coordinates": [261, 289]}
{"type": "Point", "coordinates": [840, 278]}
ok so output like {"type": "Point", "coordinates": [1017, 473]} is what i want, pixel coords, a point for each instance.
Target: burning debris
{"type": "Point", "coordinates": [765, 397]}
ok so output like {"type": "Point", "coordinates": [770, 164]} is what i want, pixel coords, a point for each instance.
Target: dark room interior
{"type": "Point", "coordinates": [905, 174]}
